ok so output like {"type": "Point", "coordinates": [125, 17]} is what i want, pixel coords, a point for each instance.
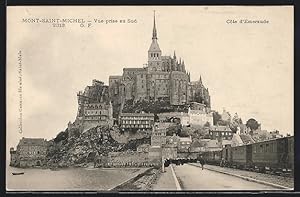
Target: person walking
{"type": "Point", "coordinates": [202, 161]}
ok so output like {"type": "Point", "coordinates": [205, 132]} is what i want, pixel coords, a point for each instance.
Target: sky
{"type": "Point", "coordinates": [248, 68]}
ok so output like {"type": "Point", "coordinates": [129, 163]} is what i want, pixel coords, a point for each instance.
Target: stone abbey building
{"type": "Point", "coordinates": [94, 108]}
{"type": "Point", "coordinates": [30, 152]}
{"type": "Point", "coordinates": [164, 78]}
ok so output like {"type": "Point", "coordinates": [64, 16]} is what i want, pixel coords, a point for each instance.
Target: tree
{"type": "Point", "coordinates": [236, 119]}
{"type": "Point", "coordinates": [233, 127]}
{"type": "Point", "coordinates": [216, 117]}
{"type": "Point", "coordinates": [223, 123]}
{"type": "Point", "coordinates": [235, 123]}
{"type": "Point", "coordinates": [252, 124]}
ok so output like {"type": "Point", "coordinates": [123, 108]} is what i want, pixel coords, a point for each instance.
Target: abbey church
{"type": "Point", "coordinates": [164, 78]}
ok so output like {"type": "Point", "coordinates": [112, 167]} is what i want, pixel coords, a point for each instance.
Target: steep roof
{"type": "Point", "coordinates": [236, 140]}
{"type": "Point", "coordinates": [134, 69]}
{"type": "Point", "coordinates": [185, 139]}
{"type": "Point", "coordinates": [137, 114]}
{"type": "Point", "coordinates": [212, 144]}
{"type": "Point", "coordinates": [154, 46]}
{"type": "Point", "coordinates": [219, 128]}
{"type": "Point", "coordinates": [197, 144]}
{"type": "Point", "coordinates": [247, 139]}
{"type": "Point", "coordinates": [225, 142]}
{"type": "Point", "coordinates": [33, 141]}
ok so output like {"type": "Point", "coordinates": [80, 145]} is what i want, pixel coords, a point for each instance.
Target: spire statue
{"type": "Point", "coordinates": [154, 34]}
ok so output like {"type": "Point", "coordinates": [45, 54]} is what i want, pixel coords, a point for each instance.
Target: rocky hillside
{"type": "Point", "coordinates": [67, 151]}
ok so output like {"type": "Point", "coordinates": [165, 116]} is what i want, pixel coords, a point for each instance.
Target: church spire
{"type": "Point", "coordinates": [174, 56]}
{"type": "Point", "coordinates": [154, 34]}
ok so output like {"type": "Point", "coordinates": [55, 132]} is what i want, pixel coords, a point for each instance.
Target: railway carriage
{"type": "Point", "coordinates": [291, 153]}
{"type": "Point", "coordinates": [226, 156]}
{"type": "Point", "coordinates": [273, 155]}
{"type": "Point", "coordinates": [241, 156]}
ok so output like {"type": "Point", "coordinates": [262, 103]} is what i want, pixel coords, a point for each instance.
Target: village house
{"type": "Point", "coordinates": [172, 140]}
{"type": "Point", "coordinates": [217, 132]}
{"type": "Point", "coordinates": [142, 121]}
{"type": "Point", "coordinates": [184, 144]}
{"type": "Point", "coordinates": [197, 146]}
{"type": "Point", "coordinates": [211, 145]}
{"type": "Point", "coordinates": [158, 136]}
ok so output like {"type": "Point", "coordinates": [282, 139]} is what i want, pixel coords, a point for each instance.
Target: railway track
{"type": "Point", "coordinates": [288, 174]}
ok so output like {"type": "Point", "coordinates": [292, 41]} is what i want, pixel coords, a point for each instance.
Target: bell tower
{"type": "Point", "coordinates": [154, 52]}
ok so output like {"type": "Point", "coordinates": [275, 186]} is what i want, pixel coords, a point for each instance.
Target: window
{"type": "Point", "coordinates": [271, 147]}
{"type": "Point", "coordinates": [261, 148]}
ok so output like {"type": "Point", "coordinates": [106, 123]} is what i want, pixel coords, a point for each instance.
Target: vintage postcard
{"type": "Point", "coordinates": [159, 98]}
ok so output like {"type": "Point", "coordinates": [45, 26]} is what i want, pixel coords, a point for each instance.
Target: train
{"type": "Point", "coordinates": [275, 155]}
